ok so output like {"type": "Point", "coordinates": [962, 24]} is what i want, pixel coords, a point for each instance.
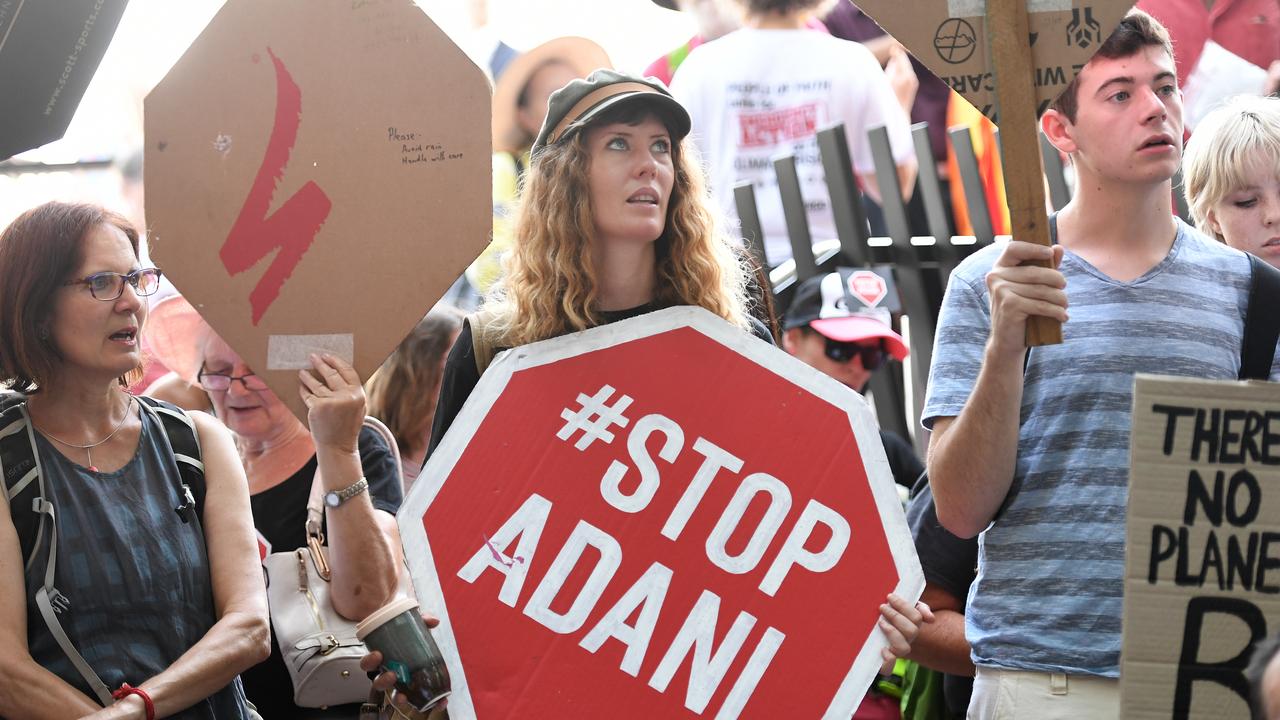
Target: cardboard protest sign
{"type": "Point", "coordinates": [1202, 554]}
{"type": "Point", "coordinates": [950, 38]}
{"type": "Point", "coordinates": [317, 175]}
{"type": "Point", "coordinates": [49, 52]}
{"type": "Point", "coordinates": [662, 517]}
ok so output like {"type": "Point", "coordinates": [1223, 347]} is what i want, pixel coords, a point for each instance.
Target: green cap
{"type": "Point", "coordinates": [575, 105]}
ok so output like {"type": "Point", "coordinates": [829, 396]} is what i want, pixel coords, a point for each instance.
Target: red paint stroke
{"type": "Point", "coordinates": [293, 227]}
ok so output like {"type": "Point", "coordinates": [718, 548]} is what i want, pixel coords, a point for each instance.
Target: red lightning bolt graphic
{"type": "Point", "coordinates": [293, 227]}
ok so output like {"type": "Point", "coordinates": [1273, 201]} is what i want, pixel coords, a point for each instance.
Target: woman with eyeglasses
{"type": "Point", "coordinates": [282, 458]}
{"type": "Point", "coordinates": [161, 609]}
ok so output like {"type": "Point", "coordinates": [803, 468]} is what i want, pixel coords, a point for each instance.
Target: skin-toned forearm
{"type": "Point", "coordinates": [971, 457]}
{"type": "Point", "coordinates": [906, 182]}
{"type": "Point", "coordinates": [907, 178]}
{"type": "Point", "coordinates": [361, 555]}
{"type": "Point", "coordinates": [27, 690]}
{"type": "Point", "coordinates": [237, 641]}
{"type": "Point", "coordinates": [941, 644]}
{"type": "Point", "coordinates": [881, 47]}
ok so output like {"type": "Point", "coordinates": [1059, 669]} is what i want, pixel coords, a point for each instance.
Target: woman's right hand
{"type": "Point", "coordinates": [335, 402]}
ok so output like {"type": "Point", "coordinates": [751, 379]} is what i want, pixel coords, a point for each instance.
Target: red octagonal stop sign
{"type": "Point", "coordinates": [663, 517]}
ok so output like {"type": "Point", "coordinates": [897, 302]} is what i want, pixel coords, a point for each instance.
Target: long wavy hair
{"type": "Point", "coordinates": [549, 286]}
{"type": "Point", "coordinates": [403, 391]}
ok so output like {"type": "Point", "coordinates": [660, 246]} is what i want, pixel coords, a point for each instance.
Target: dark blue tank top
{"type": "Point", "coordinates": [137, 576]}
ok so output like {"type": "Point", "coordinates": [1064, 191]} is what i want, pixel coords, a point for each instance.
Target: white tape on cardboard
{"type": "Point", "coordinates": [292, 352]}
{"type": "Point", "coordinates": [978, 8]}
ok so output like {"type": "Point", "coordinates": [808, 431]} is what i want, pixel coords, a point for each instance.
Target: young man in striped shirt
{"type": "Point", "coordinates": [1036, 458]}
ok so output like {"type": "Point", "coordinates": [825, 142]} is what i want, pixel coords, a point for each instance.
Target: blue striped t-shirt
{"type": "Point", "coordinates": [1050, 579]}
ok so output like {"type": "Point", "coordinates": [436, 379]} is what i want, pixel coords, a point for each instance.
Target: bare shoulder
{"type": "Point", "coordinates": [173, 389]}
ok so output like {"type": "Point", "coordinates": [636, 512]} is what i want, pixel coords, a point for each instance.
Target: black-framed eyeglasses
{"type": "Point", "coordinates": [873, 356]}
{"type": "Point", "coordinates": [108, 286]}
{"type": "Point", "coordinates": [220, 382]}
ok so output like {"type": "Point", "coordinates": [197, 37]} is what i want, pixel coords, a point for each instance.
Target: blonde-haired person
{"type": "Point", "coordinates": [402, 393]}
{"type": "Point", "coordinates": [1231, 174]}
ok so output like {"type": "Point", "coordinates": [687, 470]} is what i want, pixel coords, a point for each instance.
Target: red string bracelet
{"type": "Point", "coordinates": [126, 690]}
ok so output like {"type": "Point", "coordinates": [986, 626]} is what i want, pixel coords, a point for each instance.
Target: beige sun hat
{"type": "Point", "coordinates": [579, 53]}
{"type": "Point", "coordinates": [173, 335]}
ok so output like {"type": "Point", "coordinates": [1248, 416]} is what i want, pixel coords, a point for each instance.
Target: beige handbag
{"type": "Point", "coordinates": [319, 646]}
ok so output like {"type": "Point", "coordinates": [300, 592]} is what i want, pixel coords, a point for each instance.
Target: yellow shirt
{"type": "Point", "coordinates": [487, 268]}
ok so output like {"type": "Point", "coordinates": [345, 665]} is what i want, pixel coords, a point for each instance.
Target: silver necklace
{"type": "Point", "coordinates": [88, 449]}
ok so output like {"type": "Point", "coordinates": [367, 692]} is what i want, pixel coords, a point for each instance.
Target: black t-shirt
{"type": "Point", "coordinates": [461, 375]}
{"type": "Point", "coordinates": [903, 462]}
{"type": "Point", "coordinates": [950, 563]}
{"type": "Point", "coordinates": [280, 514]}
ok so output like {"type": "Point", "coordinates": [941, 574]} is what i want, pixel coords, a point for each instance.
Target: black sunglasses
{"type": "Point", "coordinates": [873, 356]}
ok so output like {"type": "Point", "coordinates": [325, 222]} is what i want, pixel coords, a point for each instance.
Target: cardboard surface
{"type": "Point", "coordinates": [1202, 553]}
{"type": "Point", "coordinates": [49, 52]}
{"type": "Point", "coordinates": [949, 37]}
{"type": "Point", "coordinates": [674, 558]}
{"type": "Point", "coordinates": [317, 175]}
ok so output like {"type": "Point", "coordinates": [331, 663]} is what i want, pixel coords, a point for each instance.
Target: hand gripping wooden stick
{"type": "Point", "coordinates": [1008, 36]}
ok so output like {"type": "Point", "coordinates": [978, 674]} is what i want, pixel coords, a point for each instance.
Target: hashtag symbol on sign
{"type": "Point", "coordinates": [594, 417]}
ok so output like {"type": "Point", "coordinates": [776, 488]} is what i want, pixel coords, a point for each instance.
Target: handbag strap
{"type": "Point", "coordinates": [315, 500]}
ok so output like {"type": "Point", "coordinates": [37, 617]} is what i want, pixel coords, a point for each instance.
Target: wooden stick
{"type": "Point", "coordinates": [1008, 36]}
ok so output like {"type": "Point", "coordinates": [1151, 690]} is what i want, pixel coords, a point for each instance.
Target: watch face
{"type": "Point", "coordinates": [332, 499]}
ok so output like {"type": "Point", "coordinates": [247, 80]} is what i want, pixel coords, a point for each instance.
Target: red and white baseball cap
{"type": "Point", "coordinates": [845, 306]}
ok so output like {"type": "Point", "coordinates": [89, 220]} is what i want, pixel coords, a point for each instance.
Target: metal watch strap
{"type": "Point", "coordinates": [351, 491]}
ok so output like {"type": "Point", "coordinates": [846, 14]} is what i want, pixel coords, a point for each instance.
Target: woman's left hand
{"type": "Point", "coordinates": [900, 622]}
{"type": "Point", "coordinates": [335, 402]}
{"type": "Point", "coordinates": [386, 680]}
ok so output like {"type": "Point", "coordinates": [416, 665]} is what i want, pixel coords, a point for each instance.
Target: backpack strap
{"type": "Point", "coordinates": [1261, 322]}
{"type": "Point", "coordinates": [20, 467]}
{"type": "Point", "coordinates": [51, 602]}
{"type": "Point", "coordinates": [184, 440]}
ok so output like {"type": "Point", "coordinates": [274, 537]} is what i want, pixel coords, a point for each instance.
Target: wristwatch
{"type": "Point", "coordinates": [334, 498]}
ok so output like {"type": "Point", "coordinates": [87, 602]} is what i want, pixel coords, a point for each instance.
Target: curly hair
{"type": "Point", "coordinates": [548, 290]}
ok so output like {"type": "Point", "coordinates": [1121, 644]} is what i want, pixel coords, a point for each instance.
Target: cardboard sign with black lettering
{"type": "Point", "coordinates": [950, 38]}
{"type": "Point", "coordinates": [1202, 555]}
{"type": "Point", "coordinates": [659, 518]}
{"type": "Point", "coordinates": [49, 51]}
{"type": "Point", "coordinates": [318, 174]}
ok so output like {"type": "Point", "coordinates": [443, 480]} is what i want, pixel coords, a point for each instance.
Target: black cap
{"type": "Point", "coordinates": [576, 104]}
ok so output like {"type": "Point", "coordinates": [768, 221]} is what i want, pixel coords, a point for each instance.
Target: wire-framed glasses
{"type": "Point", "coordinates": [108, 286]}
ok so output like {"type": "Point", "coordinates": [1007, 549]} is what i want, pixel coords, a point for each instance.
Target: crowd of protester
{"type": "Point", "coordinates": [606, 210]}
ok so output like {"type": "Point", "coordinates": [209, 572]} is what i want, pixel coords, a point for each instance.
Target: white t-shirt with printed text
{"type": "Point", "coordinates": [755, 94]}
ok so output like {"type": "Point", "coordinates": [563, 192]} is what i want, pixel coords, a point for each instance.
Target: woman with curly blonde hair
{"type": "Point", "coordinates": [615, 221]}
